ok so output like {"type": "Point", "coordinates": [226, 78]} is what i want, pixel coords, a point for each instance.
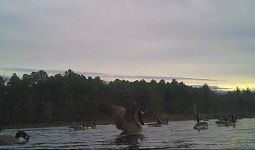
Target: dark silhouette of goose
{"type": "Point", "coordinates": [91, 125]}
{"type": "Point", "coordinates": [78, 127]}
{"type": "Point", "coordinates": [227, 122]}
{"type": "Point", "coordinates": [21, 137]}
{"type": "Point", "coordinates": [129, 119]}
{"type": "Point", "coordinates": [158, 123]}
{"type": "Point", "coordinates": [200, 125]}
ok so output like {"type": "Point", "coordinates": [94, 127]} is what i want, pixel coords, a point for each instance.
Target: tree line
{"type": "Point", "coordinates": [40, 98]}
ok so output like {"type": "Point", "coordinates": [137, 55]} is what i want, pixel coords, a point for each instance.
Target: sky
{"type": "Point", "coordinates": [196, 41]}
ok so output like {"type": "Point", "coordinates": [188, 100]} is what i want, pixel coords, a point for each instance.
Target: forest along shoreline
{"type": "Point", "coordinates": [40, 100]}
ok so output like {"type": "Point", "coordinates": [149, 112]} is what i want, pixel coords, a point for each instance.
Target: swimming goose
{"type": "Point", "coordinates": [156, 124]}
{"type": "Point", "coordinates": [21, 137]}
{"type": "Point", "coordinates": [78, 127]}
{"type": "Point", "coordinates": [128, 120]}
{"type": "Point", "coordinates": [200, 125]}
{"type": "Point", "coordinates": [91, 125]}
{"type": "Point", "coordinates": [227, 122]}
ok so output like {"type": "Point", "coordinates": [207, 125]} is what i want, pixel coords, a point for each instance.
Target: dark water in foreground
{"type": "Point", "coordinates": [178, 134]}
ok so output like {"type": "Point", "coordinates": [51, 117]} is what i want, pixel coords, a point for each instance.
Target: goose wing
{"type": "Point", "coordinates": [7, 139]}
{"type": "Point", "coordinates": [116, 112]}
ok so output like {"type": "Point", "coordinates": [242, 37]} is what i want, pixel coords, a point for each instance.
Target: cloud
{"type": "Point", "coordinates": [197, 38]}
{"type": "Point", "coordinates": [107, 76]}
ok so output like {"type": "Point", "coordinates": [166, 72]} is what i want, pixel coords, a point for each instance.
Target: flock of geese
{"type": "Point", "coordinates": [129, 120]}
{"type": "Point", "coordinates": [201, 125]}
{"type": "Point", "coordinates": [83, 126]}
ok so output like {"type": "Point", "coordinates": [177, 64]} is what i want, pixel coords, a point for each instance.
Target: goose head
{"type": "Point", "coordinates": [22, 137]}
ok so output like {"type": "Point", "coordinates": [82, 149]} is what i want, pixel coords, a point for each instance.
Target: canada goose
{"type": "Point", "coordinates": [200, 125]}
{"type": "Point", "coordinates": [165, 122]}
{"type": "Point", "coordinates": [128, 120]}
{"type": "Point", "coordinates": [156, 124]}
{"type": "Point", "coordinates": [21, 137]}
{"type": "Point", "coordinates": [227, 122]}
{"type": "Point", "coordinates": [91, 125]}
{"type": "Point", "coordinates": [78, 127]}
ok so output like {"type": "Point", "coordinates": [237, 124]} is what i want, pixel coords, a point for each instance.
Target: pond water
{"type": "Point", "coordinates": [177, 134]}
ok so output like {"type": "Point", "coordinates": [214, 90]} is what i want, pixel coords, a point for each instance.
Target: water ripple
{"type": "Point", "coordinates": [176, 135]}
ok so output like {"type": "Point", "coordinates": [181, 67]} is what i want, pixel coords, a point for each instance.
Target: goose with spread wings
{"type": "Point", "coordinates": [129, 119]}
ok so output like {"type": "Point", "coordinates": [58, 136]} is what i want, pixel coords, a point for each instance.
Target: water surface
{"type": "Point", "coordinates": [177, 134]}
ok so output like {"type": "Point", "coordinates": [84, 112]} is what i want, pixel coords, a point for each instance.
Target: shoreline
{"type": "Point", "coordinates": [169, 117]}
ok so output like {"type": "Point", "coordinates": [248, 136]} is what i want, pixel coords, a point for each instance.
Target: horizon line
{"type": "Point", "coordinates": [106, 75]}
{"type": "Point", "coordinates": [112, 77]}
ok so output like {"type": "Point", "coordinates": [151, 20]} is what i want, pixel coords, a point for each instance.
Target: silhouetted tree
{"type": "Point", "coordinates": [37, 97]}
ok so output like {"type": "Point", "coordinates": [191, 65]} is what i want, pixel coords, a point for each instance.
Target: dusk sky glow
{"type": "Point", "coordinates": [197, 39]}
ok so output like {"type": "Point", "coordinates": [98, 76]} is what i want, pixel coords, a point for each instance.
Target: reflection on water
{"type": "Point", "coordinates": [178, 134]}
{"type": "Point", "coordinates": [132, 141]}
